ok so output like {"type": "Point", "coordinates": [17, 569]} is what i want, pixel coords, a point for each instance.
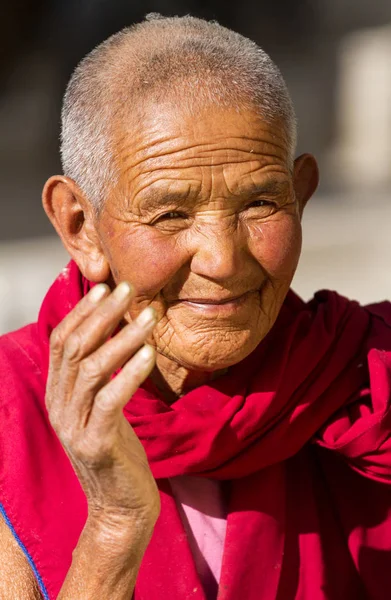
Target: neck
{"type": "Point", "coordinates": [174, 380]}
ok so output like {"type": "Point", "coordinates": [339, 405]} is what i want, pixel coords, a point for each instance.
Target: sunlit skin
{"type": "Point", "coordinates": [205, 223]}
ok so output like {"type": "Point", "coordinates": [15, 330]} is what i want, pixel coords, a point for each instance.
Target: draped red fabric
{"type": "Point", "coordinates": [299, 430]}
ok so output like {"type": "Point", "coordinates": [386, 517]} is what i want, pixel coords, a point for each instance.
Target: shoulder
{"type": "Point", "coordinates": [380, 313]}
{"type": "Point", "coordinates": [20, 362]}
{"type": "Point", "coordinates": [21, 344]}
{"type": "Point", "coordinates": [21, 397]}
{"type": "Point", "coordinates": [22, 390]}
{"type": "Point", "coordinates": [333, 306]}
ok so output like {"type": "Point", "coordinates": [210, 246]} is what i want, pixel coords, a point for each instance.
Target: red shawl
{"type": "Point", "coordinates": [300, 432]}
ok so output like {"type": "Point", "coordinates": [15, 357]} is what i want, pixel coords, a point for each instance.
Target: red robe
{"type": "Point", "coordinates": [299, 431]}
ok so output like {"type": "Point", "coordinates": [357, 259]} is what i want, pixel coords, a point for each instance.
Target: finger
{"type": "Point", "coordinates": [89, 335]}
{"type": "Point", "coordinates": [98, 326]}
{"type": "Point", "coordinates": [72, 320]}
{"type": "Point", "coordinates": [58, 339]}
{"type": "Point", "coordinates": [111, 399]}
{"type": "Point", "coordinates": [96, 370]}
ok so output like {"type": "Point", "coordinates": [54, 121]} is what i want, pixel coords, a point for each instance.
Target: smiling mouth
{"type": "Point", "coordinates": [223, 306]}
{"type": "Point", "coordinates": [213, 301]}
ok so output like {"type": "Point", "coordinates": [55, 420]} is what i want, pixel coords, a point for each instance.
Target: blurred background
{"type": "Point", "coordinates": [336, 58]}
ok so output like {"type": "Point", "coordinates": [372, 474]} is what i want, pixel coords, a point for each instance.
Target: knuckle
{"type": "Point", "coordinates": [90, 370]}
{"type": "Point", "coordinates": [73, 347]}
{"type": "Point", "coordinates": [56, 340]}
{"type": "Point", "coordinates": [106, 400]}
{"type": "Point", "coordinates": [83, 309]}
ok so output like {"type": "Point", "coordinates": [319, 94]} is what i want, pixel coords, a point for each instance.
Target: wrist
{"type": "Point", "coordinates": [107, 557]}
{"type": "Point", "coordinates": [119, 529]}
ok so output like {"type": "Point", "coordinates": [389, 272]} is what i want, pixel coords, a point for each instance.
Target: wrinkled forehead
{"type": "Point", "coordinates": [163, 144]}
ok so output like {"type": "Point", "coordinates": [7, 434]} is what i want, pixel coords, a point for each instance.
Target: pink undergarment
{"type": "Point", "coordinates": [201, 506]}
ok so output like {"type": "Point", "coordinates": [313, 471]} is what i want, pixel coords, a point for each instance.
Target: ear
{"type": "Point", "coordinates": [305, 179]}
{"type": "Point", "coordinates": [73, 217]}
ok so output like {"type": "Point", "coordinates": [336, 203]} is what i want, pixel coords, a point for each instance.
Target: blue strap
{"type": "Point", "coordinates": [26, 553]}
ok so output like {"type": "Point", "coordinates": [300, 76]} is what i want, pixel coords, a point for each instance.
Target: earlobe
{"type": "Point", "coordinates": [73, 218]}
{"type": "Point", "coordinates": [305, 178]}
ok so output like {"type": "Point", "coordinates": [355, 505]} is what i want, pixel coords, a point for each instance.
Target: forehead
{"type": "Point", "coordinates": [170, 146]}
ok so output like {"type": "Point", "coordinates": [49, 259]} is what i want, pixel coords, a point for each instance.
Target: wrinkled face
{"type": "Point", "coordinates": [205, 225]}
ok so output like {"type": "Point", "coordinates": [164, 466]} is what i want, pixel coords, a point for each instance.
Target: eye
{"type": "Point", "coordinates": [261, 208]}
{"type": "Point", "coordinates": [261, 203]}
{"type": "Point", "coordinates": [169, 216]}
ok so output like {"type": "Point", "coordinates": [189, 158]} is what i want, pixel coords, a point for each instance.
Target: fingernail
{"type": "Point", "coordinates": [146, 353]}
{"type": "Point", "coordinates": [147, 316]}
{"type": "Point", "coordinates": [97, 292]}
{"type": "Point", "coordinates": [122, 291]}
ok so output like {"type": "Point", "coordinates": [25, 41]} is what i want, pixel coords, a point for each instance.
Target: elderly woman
{"type": "Point", "coordinates": [200, 431]}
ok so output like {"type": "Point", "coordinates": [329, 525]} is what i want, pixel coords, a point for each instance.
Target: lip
{"type": "Point", "coordinates": [222, 306]}
{"type": "Point", "coordinates": [213, 301]}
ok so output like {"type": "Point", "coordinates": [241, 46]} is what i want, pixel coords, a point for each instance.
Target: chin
{"type": "Point", "coordinates": [208, 355]}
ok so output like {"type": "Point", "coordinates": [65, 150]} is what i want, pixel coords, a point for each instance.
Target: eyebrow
{"type": "Point", "coordinates": [271, 187]}
{"type": "Point", "coordinates": [156, 198]}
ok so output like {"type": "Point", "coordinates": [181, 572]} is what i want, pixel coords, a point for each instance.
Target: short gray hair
{"type": "Point", "coordinates": [211, 63]}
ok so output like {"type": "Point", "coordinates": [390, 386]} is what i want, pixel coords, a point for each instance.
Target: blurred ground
{"type": "Point", "coordinates": [347, 247]}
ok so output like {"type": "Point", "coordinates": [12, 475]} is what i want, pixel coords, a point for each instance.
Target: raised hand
{"type": "Point", "coordinates": [85, 403]}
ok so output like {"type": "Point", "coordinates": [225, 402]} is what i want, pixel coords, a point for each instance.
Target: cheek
{"type": "Point", "coordinates": [277, 245]}
{"type": "Point", "coordinates": [145, 259]}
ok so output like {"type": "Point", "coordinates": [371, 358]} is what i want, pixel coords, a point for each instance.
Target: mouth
{"type": "Point", "coordinates": [213, 301]}
{"type": "Point", "coordinates": [218, 306]}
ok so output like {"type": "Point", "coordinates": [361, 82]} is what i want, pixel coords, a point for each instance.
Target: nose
{"type": "Point", "coordinates": [220, 253]}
